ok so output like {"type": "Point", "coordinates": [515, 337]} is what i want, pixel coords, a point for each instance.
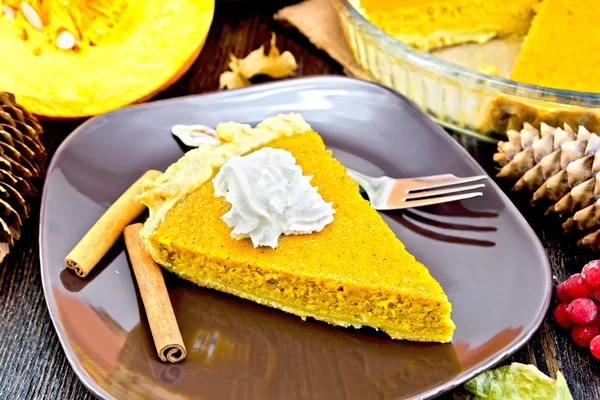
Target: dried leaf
{"type": "Point", "coordinates": [232, 80]}
{"type": "Point", "coordinates": [515, 381]}
{"type": "Point", "coordinates": [274, 64]}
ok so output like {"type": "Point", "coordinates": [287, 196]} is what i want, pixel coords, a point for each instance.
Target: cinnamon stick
{"type": "Point", "coordinates": [105, 232]}
{"type": "Point", "coordinates": [159, 311]}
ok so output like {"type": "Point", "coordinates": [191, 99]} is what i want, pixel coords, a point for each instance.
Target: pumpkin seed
{"type": "Point", "coordinates": [65, 40]}
{"type": "Point", "coordinates": [9, 12]}
{"type": "Point", "coordinates": [31, 15]}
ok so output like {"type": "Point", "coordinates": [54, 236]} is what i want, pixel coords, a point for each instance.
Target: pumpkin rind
{"type": "Point", "coordinates": [153, 43]}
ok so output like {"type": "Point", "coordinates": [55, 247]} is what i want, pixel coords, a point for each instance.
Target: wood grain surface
{"type": "Point", "coordinates": [32, 362]}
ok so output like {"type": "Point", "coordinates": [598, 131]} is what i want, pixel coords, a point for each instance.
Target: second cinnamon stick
{"type": "Point", "coordinates": [159, 311]}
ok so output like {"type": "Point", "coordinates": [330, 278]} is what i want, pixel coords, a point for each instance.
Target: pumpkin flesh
{"type": "Point", "coordinates": [124, 52]}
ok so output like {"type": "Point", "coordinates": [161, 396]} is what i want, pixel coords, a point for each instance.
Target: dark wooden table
{"type": "Point", "coordinates": [32, 362]}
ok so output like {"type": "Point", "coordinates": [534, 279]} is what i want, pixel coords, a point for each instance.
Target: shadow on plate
{"type": "Point", "coordinates": [74, 283]}
{"type": "Point", "coordinates": [422, 220]}
{"type": "Point", "coordinates": [237, 349]}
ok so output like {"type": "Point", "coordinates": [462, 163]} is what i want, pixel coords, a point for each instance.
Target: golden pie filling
{"type": "Point", "coordinates": [560, 48]}
{"type": "Point", "coordinates": [354, 272]}
{"type": "Point", "coordinates": [431, 24]}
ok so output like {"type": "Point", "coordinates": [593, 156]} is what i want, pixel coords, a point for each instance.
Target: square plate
{"type": "Point", "coordinates": [488, 260]}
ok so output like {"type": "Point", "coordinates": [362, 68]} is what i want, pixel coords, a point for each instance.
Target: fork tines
{"type": "Point", "coordinates": [441, 189]}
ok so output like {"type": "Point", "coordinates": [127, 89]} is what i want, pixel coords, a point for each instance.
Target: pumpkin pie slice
{"type": "Point", "coordinates": [353, 272]}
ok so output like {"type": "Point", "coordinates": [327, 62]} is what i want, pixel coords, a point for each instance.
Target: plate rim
{"type": "Point", "coordinates": [289, 84]}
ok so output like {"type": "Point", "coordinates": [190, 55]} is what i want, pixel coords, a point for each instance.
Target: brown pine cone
{"type": "Point", "coordinates": [22, 160]}
{"type": "Point", "coordinates": [561, 168]}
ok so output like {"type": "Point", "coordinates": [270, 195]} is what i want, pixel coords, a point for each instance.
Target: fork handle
{"type": "Point", "coordinates": [368, 183]}
{"type": "Point", "coordinates": [364, 180]}
{"type": "Point", "coordinates": [376, 188]}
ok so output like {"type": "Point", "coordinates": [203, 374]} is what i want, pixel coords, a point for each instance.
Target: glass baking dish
{"type": "Point", "coordinates": [460, 97]}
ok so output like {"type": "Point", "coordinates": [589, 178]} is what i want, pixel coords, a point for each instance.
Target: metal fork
{"type": "Point", "coordinates": [386, 193]}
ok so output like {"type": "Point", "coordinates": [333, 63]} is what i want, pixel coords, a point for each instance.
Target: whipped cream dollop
{"type": "Point", "coordinates": [269, 197]}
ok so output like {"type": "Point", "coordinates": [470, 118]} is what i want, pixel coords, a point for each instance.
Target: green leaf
{"type": "Point", "coordinates": [516, 381]}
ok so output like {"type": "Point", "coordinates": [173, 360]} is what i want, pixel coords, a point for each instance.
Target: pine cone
{"type": "Point", "coordinates": [561, 168]}
{"type": "Point", "coordinates": [22, 159]}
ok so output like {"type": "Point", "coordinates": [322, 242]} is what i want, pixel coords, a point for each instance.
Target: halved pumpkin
{"type": "Point", "coordinates": [78, 58]}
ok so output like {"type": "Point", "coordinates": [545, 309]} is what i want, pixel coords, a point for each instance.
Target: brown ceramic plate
{"type": "Point", "coordinates": [482, 251]}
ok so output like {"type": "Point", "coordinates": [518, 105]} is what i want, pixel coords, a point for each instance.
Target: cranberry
{"type": "Point", "coordinates": [597, 320]}
{"type": "Point", "coordinates": [583, 334]}
{"type": "Point", "coordinates": [578, 287]}
{"type": "Point", "coordinates": [596, 294]}
{"type": "Point", "coordinates": [561, 293]}
{"type": "Point", "coordinates": [561, 316]}
{"type": "Point", "coordinates": [582, 311]}
{"type": "Point", "coordinates": [591, 273]}
{"type": "Point", "coordinates": [595, 347]}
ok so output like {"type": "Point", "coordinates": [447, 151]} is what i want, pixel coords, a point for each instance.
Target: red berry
{"type": "Point", "coordinates": [595, 347]}
{"type": "Point", "coordinates": [582, 311]}
{"type": "Point", "coordinates": [591, 273]}
{"type": "Point", "coordinates": [562, 316]}
{"type": "Point", "coordinates": [596, 294]}
{"type": "Point", "coordinates": [578, 287]}
{"type": "Point", "coordinates": [583, 334]}
{"type": "Point", "coordinates": [597, 320]}
{"type": "Point", "coordinates": [561, 293]}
